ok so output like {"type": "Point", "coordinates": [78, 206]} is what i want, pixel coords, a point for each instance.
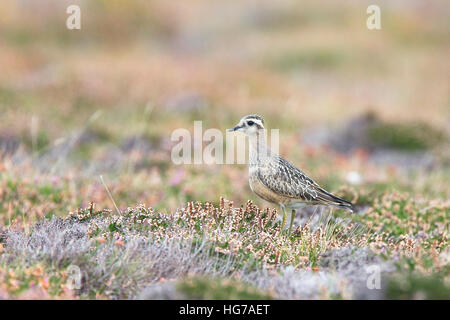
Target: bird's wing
{"type": "Point", "coordinates": [287, 180]}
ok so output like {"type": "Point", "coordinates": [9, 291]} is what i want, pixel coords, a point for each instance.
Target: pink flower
{"type": "Point", "coordinates": [177, 177]}
{"type": "Point", "coordinates": [55, 180]}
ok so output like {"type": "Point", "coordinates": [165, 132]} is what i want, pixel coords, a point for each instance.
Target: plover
{"type": "Point", "coordinates": [276, 180]}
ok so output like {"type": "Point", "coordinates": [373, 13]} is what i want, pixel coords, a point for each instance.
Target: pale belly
{"type": "Point", "coordinates": [263, 192]}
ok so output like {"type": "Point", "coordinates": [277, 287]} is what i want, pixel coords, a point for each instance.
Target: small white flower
{"type": "Point", "coordinates": [354, 177]}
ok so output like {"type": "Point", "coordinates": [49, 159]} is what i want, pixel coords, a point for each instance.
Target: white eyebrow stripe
{"type": "Point", "coordinates": [257, 121]}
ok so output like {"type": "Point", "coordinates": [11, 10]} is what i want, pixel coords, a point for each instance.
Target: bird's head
{"type": "Point", "coordinates": [250, 125]}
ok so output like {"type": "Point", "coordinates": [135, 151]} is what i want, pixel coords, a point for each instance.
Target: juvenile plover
{"type": "Point", "coordinates": [276, 180]}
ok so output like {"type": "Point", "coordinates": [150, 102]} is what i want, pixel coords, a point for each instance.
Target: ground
{"type": "Point", "coordinates": [88, 190]}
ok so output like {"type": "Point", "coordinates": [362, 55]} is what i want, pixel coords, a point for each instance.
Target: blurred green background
{"type": "Point", "coordinates": [364, 109]}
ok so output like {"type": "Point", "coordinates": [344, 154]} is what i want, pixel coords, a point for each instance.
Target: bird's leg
{"type": "Point", "coordinates": [293, 213]}
{"type": "Point", "coordinates": [283, 222]}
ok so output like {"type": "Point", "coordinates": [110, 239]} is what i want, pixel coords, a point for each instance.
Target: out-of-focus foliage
{"type": "Point", "coordinates": [365, 113]}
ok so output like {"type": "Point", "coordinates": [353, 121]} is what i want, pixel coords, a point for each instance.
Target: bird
{"type": "Point", "coordinates": [278, 181]}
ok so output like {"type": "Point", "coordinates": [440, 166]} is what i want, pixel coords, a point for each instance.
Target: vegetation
{"type": "Point", "coordinates": [87, 181]}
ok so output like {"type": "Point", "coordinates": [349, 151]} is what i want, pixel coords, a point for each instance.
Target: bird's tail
{"type": "Point", "coordinates": [346, 205]}
{"type": "Point", "coordinates": [332, 200]}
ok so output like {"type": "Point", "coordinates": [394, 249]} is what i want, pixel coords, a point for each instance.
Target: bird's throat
{"type": "Point", "coordinates": [258, 149]}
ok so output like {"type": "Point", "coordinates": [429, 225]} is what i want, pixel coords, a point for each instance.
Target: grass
{"type": "Point", "coordinates": [418, 287]}
{"type": "Point", "coordinates": [120, 255]}
{"type": "Point", "coordinates": [104, 101]}
{"type": "Point", "coordinates": [409, 137]}
{"type": "Point", "coordinates": [220, 289]}
{"type": "Point", "coordinates": [321, 59]}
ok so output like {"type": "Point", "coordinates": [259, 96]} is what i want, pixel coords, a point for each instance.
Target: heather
{"type": "Point", "coordinates": [89, 193]}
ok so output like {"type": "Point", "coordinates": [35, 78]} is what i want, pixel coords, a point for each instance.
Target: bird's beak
{"type": "Point", "coordinates": [234, 129]}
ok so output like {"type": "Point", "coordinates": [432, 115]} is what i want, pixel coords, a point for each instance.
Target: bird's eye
{"type": "Point", "coordinates": [250, 123]}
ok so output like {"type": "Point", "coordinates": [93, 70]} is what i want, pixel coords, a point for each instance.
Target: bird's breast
{"type": "Point", "coordinates": [263, 192]}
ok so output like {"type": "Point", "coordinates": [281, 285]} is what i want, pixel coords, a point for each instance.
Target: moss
{"type": "Point", "coordinates": [41, 141]}
{"type": "Point", "coordinates": [415, 286]}
{"type": "Point", "coordinates": [411, 137]}
{"type": "Point", "coordinates": [315, 59]}
{"type": "Point", "coordinates": [220, 289]}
